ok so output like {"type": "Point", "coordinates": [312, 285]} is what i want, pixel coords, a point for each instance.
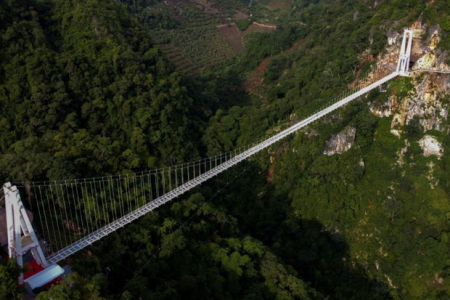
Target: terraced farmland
{"type": "Point", "coordinates": [182, 64]}
{"type": "Point", "coordinates": [198, 32]}
{"type": "Point", "coordinates": [203, 45]}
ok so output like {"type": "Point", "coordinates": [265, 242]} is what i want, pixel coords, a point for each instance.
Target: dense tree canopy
{"type": "Point", "coordinates": [84, 91]}
{"type": "Point", "coordinates": [88, 95]}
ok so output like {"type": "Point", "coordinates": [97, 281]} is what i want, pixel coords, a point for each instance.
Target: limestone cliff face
{"type": "Point", "coordinates": [425, 54]}
{"type": "Point", "coordinates": [427, 102]}
{"type": "Point", "coordinates": [340, 142]}
{"type": "Point", "coordinates": [424, 102]}
{"type": "Point", "coordinates": [428, 55]}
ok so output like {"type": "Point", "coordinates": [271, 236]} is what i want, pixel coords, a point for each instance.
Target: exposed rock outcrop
{"type": "Point", "coordinates": [430, 176]}
{"type": "Point", "coordinates": [430, 146]}
{"type": "Point", "coordinates": [424, 101]}
{"type": "Point", "coordinates": [340, 142]}
{"type": "Point", "coordinates": [424, 54]}
{"type": "Point", "coordinates": [401, 154]}
{"type": "Point", "coordinates": [430, 58]}
{"type": "Point", "coordinates": [428, 61]}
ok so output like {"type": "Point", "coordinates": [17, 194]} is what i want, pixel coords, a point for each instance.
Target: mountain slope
{"type": "Point", "coordinates": [81, 82]}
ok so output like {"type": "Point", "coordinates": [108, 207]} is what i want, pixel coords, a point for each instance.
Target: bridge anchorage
{"type": "Point", "coordinates": [73, 214]}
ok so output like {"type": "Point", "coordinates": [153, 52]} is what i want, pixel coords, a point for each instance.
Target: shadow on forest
{"type": "Point", "coordinates": [180, 265]}
{"type": "Point", "coordinates": [320, 257]}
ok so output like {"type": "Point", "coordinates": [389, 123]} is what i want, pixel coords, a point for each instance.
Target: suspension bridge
{"type": "Point", "coordinates": [70, 215]}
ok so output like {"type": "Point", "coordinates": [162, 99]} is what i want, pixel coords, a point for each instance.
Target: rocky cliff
{"type": "Point", "coordinates": [340, 142]}
{"type": "Point", "coordinates": [425, 102]}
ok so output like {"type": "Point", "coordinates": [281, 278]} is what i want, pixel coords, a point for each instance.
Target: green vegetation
{"type": "Point", "coordinates": [95, 97]}
{"type": "Point", "coordinates": [8, 283]}
{"type": "Point", "coordinates": [230, 7]}
{"type": "Point", "coordinates": [203, 45]}
{"type": "Point", "coordinates": [243, 24]}
{"type": "Point", "coordinates": [84, 92]}
{"type": "Point", "coordinates": [189, 27]}
{"type": "Point", "coordinates": [181, 63]}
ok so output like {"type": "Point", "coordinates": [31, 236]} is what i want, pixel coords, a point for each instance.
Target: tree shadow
{"type": "Point", "coordinates": [323, 259]}
{"type": "Point", "coordinates": [320, 257]}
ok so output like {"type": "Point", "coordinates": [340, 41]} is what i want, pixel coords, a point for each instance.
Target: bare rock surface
{"type": "Point", "coordinates": [431, 146]}
{"type": "Point", "coordinates": [340, 142]}
{"type": "Point", "coordinates": [424, 101]}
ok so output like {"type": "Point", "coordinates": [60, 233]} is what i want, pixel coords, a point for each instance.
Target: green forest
{"type": "Point", "coordinates": [86, 91]}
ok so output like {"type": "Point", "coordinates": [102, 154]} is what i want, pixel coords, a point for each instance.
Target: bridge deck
{"type": "Point", "coordinates": [130, 217]}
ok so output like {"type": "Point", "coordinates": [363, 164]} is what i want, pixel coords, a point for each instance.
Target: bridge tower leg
{"type": "Point", "coordinates": [21, 235]}
{"type": "Point", "coordinates": [405, 53]}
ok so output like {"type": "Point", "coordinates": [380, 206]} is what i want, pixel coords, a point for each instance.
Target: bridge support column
{"type": "Point", "coordinates": [405, 53]}
{"type": "Point", "coordinates": [18, 223]}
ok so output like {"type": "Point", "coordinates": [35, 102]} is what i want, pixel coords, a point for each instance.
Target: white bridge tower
{"type": "Point", "coordinates": [405, 53]}
{"type": "Point", "coordinates": [21, 235]}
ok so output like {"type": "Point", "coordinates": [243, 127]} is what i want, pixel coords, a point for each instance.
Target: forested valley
{"type": "Point", "coordinates": [86, 90]}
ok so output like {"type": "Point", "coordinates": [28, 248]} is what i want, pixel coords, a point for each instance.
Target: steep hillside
{"type": "Point", "coordinates": [356, 206]}
{"type": "Point", "coordinates": [83, 91]}
{"type": "Point", "coordinates": [375, 175]}
{"type": "Point", "coordinates": [386, 194]}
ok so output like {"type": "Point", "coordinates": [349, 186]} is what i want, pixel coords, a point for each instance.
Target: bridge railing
{"type": "Point", "coordinates": [71, 214]}
{"type": "Point", "coordinates": [140, 194]}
